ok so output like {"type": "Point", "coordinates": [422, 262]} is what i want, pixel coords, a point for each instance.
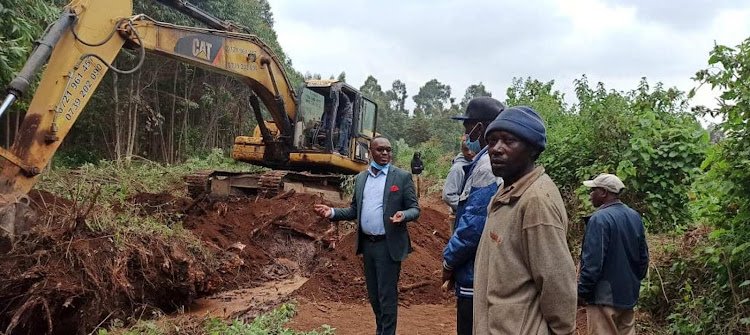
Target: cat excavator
{"type": "Point", "coordinates": [297, 144]}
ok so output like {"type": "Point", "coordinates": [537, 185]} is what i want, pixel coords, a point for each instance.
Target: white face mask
{"type": "Point", "coordinates": [474, 146]}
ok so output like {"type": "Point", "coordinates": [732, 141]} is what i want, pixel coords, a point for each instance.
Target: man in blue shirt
{"type": "Point", "coordinates": [476, 190]}
{"type": "Point", "coordinates": [614, 259]}
{"type": "Point", "coordinates": [454, 181]}
{"type": "Point", "coordinates": [384, 201]}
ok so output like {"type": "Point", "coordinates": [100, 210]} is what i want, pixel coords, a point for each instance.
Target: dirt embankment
{"type": "Point", "coordinates": [65, 278]}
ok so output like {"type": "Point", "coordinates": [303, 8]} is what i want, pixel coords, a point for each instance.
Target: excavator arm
{"type": "Point", "coordinates": [80, 48]}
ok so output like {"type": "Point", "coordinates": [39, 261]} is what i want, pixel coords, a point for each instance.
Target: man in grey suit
{"type": "Point", "coordinates": [384, 201]}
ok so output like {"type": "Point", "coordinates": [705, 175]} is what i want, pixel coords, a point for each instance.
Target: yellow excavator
{"type": "Point", "coordinates": [78, 49]}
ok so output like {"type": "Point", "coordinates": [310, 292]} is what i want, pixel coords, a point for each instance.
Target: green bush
{"type": "Point", "coordinates": [717, 276]}
{"type": "Point", "coordinates": [645, 136]}
{"type": "Point", "coordinates": [436, 160]}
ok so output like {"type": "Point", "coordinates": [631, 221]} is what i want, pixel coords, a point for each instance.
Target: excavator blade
{"type": "Point", "coordinates": [16, 218]}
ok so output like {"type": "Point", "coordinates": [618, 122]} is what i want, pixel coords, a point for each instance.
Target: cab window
{"type": "Point", "coordinates": [367, 119]}
{"type": "Point", "coordinates": [309, 131]}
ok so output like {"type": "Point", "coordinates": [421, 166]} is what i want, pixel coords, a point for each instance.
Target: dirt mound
{"type": "Point", "coordinates": [160, 202]}
{"type": "Point", "coordinates": [275, 238]}
{"type": "Point", "coordinates": [64, 278]}
{"type": "Point", "coordinates": [341, 278]}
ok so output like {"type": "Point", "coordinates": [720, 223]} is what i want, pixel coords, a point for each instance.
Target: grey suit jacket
{"type": "Point", "coordinates": [402, 197]}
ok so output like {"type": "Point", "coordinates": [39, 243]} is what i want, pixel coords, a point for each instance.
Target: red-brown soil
{"type": "Point", "coordinates": [63, 278]}
{"type": "Point", "coordinates": [341, 276]}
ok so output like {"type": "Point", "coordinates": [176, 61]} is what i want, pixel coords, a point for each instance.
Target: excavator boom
{"type": "Point", "coordinates": [80, 48]}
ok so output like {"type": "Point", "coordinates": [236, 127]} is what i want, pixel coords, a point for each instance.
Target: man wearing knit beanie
{"type": "Point", "coordinates": [476, 190]}
{"type": "Point", "coordinates": [525, 279]}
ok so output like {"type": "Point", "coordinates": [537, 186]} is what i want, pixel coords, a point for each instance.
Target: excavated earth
{"type": "Point", "coordinates": [64, 278]}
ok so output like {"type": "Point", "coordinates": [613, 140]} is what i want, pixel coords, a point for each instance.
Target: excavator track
{"type": "Point", "coordinates": [272, 183]}
{"type": "Point", "coordinates": [199, 183]}
{"type": "Point", "coordinates": [267, 185]}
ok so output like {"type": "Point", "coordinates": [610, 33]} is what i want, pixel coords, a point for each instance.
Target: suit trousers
{"type": "Point", "coordinates": [606, 320]}
{"type": "Point", "coordinates": [464, 316]}
{"type": "Point", "coordinates": [381, 276]}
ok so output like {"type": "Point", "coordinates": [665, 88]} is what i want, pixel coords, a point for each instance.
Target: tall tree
{"type": "Point", "coordinates": [372, 89]}
{"type": "Point", "coordinates": [474, 91]}
{"type": "Point", "coordinates": [391, 124]}
{"type": "Point", "coordinates": [432, 98]}
{"type": "Point", "coordinates": [397, 97]}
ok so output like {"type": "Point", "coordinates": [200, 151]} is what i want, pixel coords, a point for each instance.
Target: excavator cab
{"type": "Point", "coordinates": [318, 125]}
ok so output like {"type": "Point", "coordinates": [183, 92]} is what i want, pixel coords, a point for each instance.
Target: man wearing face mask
{"type": "Point", "coordinates": [384, 201]}
{"type": "Point", "coordinates": [454, 181]}
{"type": "Point", "coordinates": [478, 187]}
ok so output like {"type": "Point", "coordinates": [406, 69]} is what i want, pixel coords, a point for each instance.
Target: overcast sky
{"type": "Point", "coordinates": [466, 42]}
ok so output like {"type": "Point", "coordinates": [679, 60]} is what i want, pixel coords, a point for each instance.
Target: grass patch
{"type": "Point", "coordinates": [271, 323]}
{"type": "Point", "coordinates": [116, 180]}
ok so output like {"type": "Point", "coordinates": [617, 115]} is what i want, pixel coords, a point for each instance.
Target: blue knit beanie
{"type": "Point", "coordinates": [523, 122]}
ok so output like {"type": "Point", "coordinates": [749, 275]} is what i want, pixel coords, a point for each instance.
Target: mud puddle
{"type": "Point", "coordinates": [246, 302]}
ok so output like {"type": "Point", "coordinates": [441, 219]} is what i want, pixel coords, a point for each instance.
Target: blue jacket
{"type": "Point", "coordinates": [479, 186]}
{"type": "Point", "coordinates": [614, 257]}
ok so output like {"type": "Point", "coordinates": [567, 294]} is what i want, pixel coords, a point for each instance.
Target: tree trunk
{"type": "Point", "coordinates": [172, 114]}
{"type": "Point", "coordinates": [163, 146]}
{"type": "Point", "coordinates": [130, 119]}
{"type": "Point", "coordinates": [7, 130]}
{"type": "Point", "coordinates": [118, 115]}
{"type": "Point", "coordinates": [133, 118]}
{"type": "Point", "coordinates": [183, 132]}
{"type": "Point", "coordinates": [17, 125]}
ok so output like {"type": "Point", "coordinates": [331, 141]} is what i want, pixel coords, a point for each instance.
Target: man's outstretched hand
{"type": "Point", "coordinates": [397, 218]}
{"type": "Point", "coordinates": [323, 211]}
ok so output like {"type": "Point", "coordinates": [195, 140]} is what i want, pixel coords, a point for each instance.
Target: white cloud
{"type": "Point", "coordinates": [461, 43]}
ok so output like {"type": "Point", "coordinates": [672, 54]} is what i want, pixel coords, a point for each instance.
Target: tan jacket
{"type": "Point", "coordinates": [524, 277]}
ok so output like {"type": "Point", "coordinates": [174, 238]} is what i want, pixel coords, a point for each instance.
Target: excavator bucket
{"type": "Point", "coordinates": [16, 217]}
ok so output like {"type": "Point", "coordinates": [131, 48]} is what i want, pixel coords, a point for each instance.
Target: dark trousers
{"type": "Point", "coordinates": [344, 131]}
{"type": "Point", "coordinates": [464, 315]}
{"type": "Point", "coordinates": [381, 275]}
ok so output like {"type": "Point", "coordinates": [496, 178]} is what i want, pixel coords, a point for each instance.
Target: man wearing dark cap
{"type": "Point", "coordinates": [477, 188]}
{"type": "Point", "coordinates": [614, 260]}
{"type": "Point", "coordinates": [525, 279]}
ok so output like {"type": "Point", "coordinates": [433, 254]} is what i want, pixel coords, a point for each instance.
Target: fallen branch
{"type": "Point", "coordinates": [192, 204]}
{"type": "Point", "coordinates": [414, 286]}
{"type": "Point", "coordinates": [101, 323]}
{"type": "Point", "coordinates": [324, 238]}
{"type": "Point", "coordinates": [285, 195]}
{"type": "Point", "coordinates": [272, 220]}
{"type": "Point", "coordinates": [320, 307]}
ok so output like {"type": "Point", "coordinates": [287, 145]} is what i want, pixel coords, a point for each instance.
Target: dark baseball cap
{"type": "Point", "coordinates": [481, 108]}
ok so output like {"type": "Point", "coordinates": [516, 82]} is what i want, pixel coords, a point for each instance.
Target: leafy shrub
{"type": "Point", "coordinates": [436, 160]}
{"type": "Point", "coordinates": [645, 136]}
{"type": "Point", "coordinates": [719, 274]}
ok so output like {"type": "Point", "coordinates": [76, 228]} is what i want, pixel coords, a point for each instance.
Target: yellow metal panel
{"type": "Point", "coordinates": [66, 86]}
{"type": "Point", "coordinates": [333, 160]}
{"type": "Point", "coordinates": [251, 149]}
